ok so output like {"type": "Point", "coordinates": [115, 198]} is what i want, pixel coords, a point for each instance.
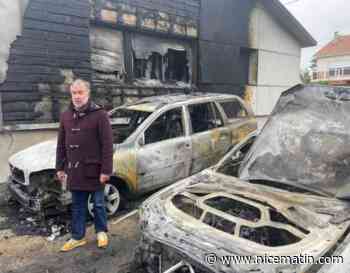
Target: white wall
{"type": "Point", "coordinates": [279, 59]}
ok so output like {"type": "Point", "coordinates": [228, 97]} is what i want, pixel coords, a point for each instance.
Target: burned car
{"type": "Point", "coordinates": [276, 203]}
{"type": "Point", "coordinates": [157, 141]}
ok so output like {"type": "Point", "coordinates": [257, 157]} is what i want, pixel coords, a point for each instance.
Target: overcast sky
{"type": "Point", "coordinates": [322, 18]}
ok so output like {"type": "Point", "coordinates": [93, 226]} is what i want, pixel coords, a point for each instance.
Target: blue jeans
{"type": "Point", "coordinates": [79, 212]}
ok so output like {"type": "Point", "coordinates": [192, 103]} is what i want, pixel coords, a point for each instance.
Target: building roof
{"type": "Point", "coordinates": [339, 46]}
{"type": "Point", "coordinates": [289, 22]}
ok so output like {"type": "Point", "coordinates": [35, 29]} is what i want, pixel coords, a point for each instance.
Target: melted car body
{"type": "Point", "coordinates": [251, 212]}
{"type": "Point", "coordinates": [157, 141]}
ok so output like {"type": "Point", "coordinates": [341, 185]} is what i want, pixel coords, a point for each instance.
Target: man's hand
{"type": "Point", "coordinates": [104, 178]}
{"type": "Point", "coordinates": [61, 175]}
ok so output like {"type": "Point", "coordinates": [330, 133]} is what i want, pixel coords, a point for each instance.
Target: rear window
{"type": "Point", "coordinates": [234, 109]}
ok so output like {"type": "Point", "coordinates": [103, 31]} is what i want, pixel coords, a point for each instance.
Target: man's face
{"type": "Point", "coordinates": [80, 95]}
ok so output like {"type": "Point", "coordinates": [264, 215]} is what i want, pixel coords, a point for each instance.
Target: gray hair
{"type": "Point", "coordinates": [81, 82]}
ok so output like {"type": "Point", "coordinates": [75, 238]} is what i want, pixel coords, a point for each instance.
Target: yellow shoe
{"type": "Point", "coordinates": [72, 243]}
{"type": "Point", "coordinates": [102, 239]}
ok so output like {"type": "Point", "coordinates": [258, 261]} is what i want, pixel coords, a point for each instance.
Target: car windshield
{"type": "Point", "coordinates": [125, 121]}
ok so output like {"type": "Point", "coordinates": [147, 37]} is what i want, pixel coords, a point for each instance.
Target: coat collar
{"type": "Point", "coordinates": [89, 107]}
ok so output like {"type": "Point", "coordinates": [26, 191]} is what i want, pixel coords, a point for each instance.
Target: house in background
{"type": "Point", "coordinates": [130, 49]}
{"type": "Point", "coordinates": [332, 62]}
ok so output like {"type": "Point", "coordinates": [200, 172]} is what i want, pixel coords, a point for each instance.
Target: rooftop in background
{"type": "Point", "coordinates": [339, 46]}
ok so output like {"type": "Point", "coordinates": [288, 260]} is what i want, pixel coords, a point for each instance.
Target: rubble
{"type": "Point", "coordinates": [23, 222]}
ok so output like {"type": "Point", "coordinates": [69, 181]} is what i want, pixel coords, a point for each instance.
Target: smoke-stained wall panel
{"type": "Point", "coordinates": [224, 32]}
{"type": "Point", "coordinates": [52, 50]}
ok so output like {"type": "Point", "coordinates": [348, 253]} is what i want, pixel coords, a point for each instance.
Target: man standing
{"type": "Point", "coordinates": [84, 157]}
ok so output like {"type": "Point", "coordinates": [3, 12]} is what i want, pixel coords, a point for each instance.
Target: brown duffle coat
{"type": "Point", "coordinates": [85, 147]}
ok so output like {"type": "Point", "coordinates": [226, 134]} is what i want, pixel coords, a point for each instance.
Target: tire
{"type": "Point", "coordinates": [113, 200]}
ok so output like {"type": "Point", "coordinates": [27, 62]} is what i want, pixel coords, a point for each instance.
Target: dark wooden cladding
{"type": "Point", "coordinates": [30, 44]}
{"type": "Point", "coordinates": [65, 39]}
{"type": "Point", "coordinates": [49, 61]}
{"type": "Point", "coordinates": [9, 87]}
{"type": "Point", "coordinates": [24, 117]}
{"type": "Point", "coordinates": [52, 50]}
{"type": "Point", "coordinates": [19, 106]}
{"type": "Point", "coordinates": [51, 36]}
{"type": "Point", "coordinates": [42, 52]}
{"type": "Point", "coordinates": [20, 96]}
{"type": "Point", "coordinates": [35, 78]}
{"type": "Point", "coordinates": [189, 8]}
{"type": "Point", "coordinates": [55, 27]}
{"type": "Point", "coordinates": [57, 18]}
{"type": "Point", "coordinates": [66, 8]}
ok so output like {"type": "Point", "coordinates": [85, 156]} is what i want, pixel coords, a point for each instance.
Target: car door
{"type": "Point", "coordinates": [240, 119]}
{"type": "Point", "coordinates": [221, 137]}
{"type": "Point", "coordinates": [208, 135]}
{"type": "Point", "coordinates": [165, 155]}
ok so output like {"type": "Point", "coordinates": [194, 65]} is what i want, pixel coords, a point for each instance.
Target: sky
{"type": "Point", "coordinates": [322, 18]}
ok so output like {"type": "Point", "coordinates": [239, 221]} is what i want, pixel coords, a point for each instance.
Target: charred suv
{"type": "Point", "coordinates": [157, 141]}
{"type": "Point", "coordinates": [283, 193]}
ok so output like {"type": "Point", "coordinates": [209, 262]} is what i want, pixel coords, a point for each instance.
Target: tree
{"type": "Point", "coordinates": [305, 76]}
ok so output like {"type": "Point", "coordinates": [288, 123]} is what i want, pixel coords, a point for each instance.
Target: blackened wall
{"type": "Point", "coordinates": [52, 50]}
{"type": "Point", "coordinates": [224, 31]}
{"type": "Point", "coordinates": [161, 19]}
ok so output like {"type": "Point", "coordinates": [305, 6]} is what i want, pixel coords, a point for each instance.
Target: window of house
{"type": "Point", "coordinates": [234, 109]}
{"type": "Point", "coordinates": [107, 56]}
{"type": "Point", "coordinates": [177, 68]}
{"type": "Point", "coordinates": [161, 60]}
{"type": "Point", "coordinates": [202, 117]}
{"type": "Point", "coordinates": [167, 126]}
{"type": "Point", "coordinates": [339, 72]}
{"type": "Point", "coordinates": [347, 71]}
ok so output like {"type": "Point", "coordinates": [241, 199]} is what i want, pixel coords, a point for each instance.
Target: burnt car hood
{"type": "Point", "coordinates": [177, 217]}
{"type": "Point", "coordinates": [305, 142]}
{"type": "Point", "coordinates": [38, 157]}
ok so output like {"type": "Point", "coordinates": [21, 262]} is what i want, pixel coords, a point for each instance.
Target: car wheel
{"type": "Point", "coordinates": [112, 200]}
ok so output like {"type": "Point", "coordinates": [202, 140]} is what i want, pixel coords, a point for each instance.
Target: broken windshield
{"type": "Point", "coordinates": [125, 121]}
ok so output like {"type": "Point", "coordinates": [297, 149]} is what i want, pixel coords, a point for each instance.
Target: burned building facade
{"type": "Point", "coordinates": [130, 49]}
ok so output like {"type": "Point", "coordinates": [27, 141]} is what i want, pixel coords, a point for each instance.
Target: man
{"type": "Point", "coordinates": [84, 158]}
